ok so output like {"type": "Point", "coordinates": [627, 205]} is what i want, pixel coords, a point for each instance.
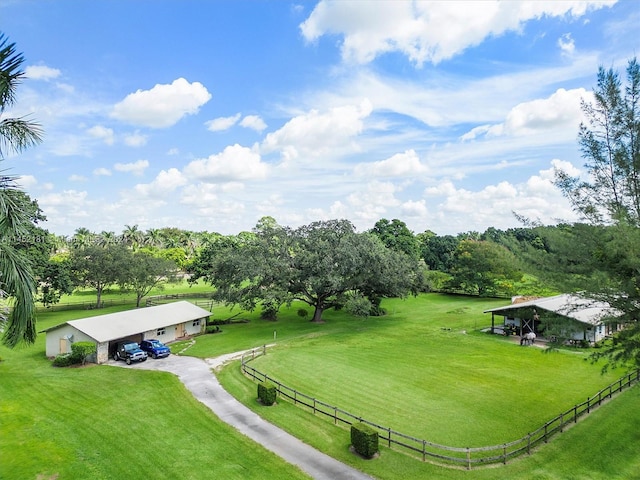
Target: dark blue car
{"type": "Point", "coordinates": [155, 348]}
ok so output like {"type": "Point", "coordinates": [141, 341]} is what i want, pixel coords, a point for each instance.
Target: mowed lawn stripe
{"type": "Point", "coordinates": [101, 422]}
{"type": "Point", "coordinates": [447, 387]}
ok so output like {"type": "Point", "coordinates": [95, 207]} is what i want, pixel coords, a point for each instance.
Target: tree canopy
{"type": "Point", "coordinates": [603, 256]}
{"type": "Point", "coordinates": [99, 267]}
{"type": "Point", "coordinates": [321, 264]}
{"type": "Point", "coordinates": [484, 268]}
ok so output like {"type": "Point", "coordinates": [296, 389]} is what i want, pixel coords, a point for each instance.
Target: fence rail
{"type": "Point", "coordinates": [149, 301]}
{"type": "Point", "coordinates": [57, 307]}
{"type": "Point", "coordinates": [160, 299]}
{"type": "Point", "coordinates": [449, 456]}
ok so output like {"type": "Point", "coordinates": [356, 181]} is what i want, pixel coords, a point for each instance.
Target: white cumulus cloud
{"type": "Point", "coordinates": [254, 122]}
{"type": "Point", "coordinates": [314, 133]}
{"type": "Point", "coordinates": [166, 182]}
{"type": "Point", "coordinates": [235, 162]}
{"type": "Point", "coordinates": [426, 31]}
{"type": "Point", "coordinates": [136, 168]}
{"type": "Point", "coordinates": [567, 44]}
{"type": "Point", "coordinates": [103, 133]}
{"type": "Point", "coordinates": [222, 123]}
{"type": "Point", "coordinates": [399, 165]}
{"type": "Point", "coordinates": [557, 114]}
{"type": "Point", "coordinates": [162, 106]}
{"type": "Point", "coordinates": [41, 72]}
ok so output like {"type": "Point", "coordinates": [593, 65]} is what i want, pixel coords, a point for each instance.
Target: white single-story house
{"type": "Point", "coordinates": [585, 316]}
{"type": "Point", "coordinates": [172, 321]}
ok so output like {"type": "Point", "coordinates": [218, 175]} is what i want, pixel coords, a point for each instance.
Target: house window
{"type": "Point", "coordinates": [160, 331]}
{"type": "Point", "coordinates": [196, 323]}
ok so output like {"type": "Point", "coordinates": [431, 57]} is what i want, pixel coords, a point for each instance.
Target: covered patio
{"type": "Point", "coordinates": [584, 317]}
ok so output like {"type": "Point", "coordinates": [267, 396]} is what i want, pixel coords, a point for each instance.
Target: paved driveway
{"type": "Point", "coordinates": [197, 376]}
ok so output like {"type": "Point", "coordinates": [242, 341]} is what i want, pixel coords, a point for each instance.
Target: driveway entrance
{"type": "Point", "coordinates": [197, 376]}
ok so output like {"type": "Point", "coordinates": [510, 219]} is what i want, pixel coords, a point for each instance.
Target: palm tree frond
{"type": "Point", "coordinates": [18, 134]}
{"type": "Point", "coordinates": [17, 279]}
{"type": "Point", "coordinates": [10, 73]}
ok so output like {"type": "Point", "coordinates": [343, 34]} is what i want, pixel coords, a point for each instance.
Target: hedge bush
{"type": "Point", "coordinates": [65, 360]}
{"type": "Point", "coordinates": [267, 393]}
{"type": "Point", "coordinates": [81, 350]}
{"type": "Point", "coordinates": [364, 439]}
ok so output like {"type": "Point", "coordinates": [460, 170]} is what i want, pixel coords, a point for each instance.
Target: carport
{"type": "Point", "coordinates": [167, 323]}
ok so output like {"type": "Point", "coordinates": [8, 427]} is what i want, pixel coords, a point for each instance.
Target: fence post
{"type": "Point", "coordinates": [468, 458]}
{"type": "Point", "coordinates": [264, 349]}
{"type": "Point", "coordinates": [314, 406]}
{"type": "Point", "coordinates": [575, 414]}
{"type": "Point", "coordinates": [335, 415]}
{"type": "Point", "coordinates": [528, 444]}
{"type": "Point", "coordinates": [389, 442]}
{"type": "Point", "coordinates": [561, 421]}
{"type": "Point", "coordinates": [588, 404]}
{"type": "Point", "coordinates": [424, 447]}
{"type": "Point", "coordinates": [545, 432]}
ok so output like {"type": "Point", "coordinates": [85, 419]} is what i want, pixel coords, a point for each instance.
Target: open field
{"type": "Point", "coordinates": [105, 422]}
{"type": "Point", "coordinates": [85, 299]}
{"type": "Point", "coordinates": [445, 386]}
{"type": "Point", "coordinates": [410, 372]}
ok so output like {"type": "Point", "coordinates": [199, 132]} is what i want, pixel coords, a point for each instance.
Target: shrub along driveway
{"type": "Point", "coordinates": [197, 377]}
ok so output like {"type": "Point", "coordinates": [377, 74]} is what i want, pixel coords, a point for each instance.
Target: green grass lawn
{"type": "Point", "coordinates": [603, 446]}
{"type": "Point", "coordinates": [417, 372]}
{"type": "Point", "coordinates": [444, 386]}
{"type": "Point", "coordinates": [102, 422]}
{"type": "Point", "coordinates": [463, 388]}
{"type": "Point", "coordinates": [115, 295]}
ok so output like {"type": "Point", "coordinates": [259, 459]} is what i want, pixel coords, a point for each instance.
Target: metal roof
{"type": "Point", "coordinates": [582, 309]}
{"type": "Point", "coordinates": [104, 328]}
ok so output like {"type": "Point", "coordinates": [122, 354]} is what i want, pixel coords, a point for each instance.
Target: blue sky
{"type": "Point", "coordinates": [209, 115]}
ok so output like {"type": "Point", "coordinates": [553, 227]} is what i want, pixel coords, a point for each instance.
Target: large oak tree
{"type": "Point", "coordinates": [320, 264]}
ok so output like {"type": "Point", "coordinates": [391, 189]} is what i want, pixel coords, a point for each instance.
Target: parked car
{"type": "Point", "coordinates": [129, 352]}
{"type": "Point", "coordinates": [155, 348]}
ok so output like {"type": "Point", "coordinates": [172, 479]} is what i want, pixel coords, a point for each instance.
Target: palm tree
{"type": "Point", "coordinates": [153, 238]}
{"type": "Point", "coordinates": [82, 238]}
{"type": "Point", "coordinates": [16, 277]}
{"type": "Point", "coordinates": [132, 237]}
{"type": "Point", "coordinates": [16, 134]}
{"type": "Point", "coordinates": [107, 239]}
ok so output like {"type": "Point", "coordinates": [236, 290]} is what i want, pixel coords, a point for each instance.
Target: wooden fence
{"type": "Point", "coordinates": [160, 299]}
{"type": "Point", "coordinates": [81, 305]}
{"type": "Point", "coordinates": [449, 456]}
{"type": "Point", "coordinates": [149, 301]}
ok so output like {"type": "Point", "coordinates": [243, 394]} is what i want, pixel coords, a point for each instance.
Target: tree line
{"type": "Point", "coordinates": [256, 267]}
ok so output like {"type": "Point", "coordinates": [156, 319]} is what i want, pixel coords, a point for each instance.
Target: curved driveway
{"type": "Point", "coordinates": [197, 376]}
